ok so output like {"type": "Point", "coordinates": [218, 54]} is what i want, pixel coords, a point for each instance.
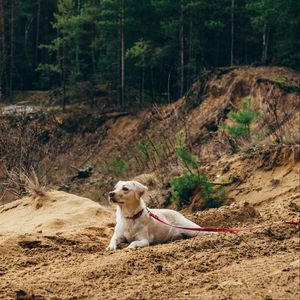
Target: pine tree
{"type": "Point", "coordinates": [243, 119]}
{"type": "Point", "coordinates": [75, 40]}
{"type": "Point", "coordinates": [65, 47]}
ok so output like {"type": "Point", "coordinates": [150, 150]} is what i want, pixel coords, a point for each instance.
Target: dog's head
{"type": "Point", "coordinates": [127, 192]}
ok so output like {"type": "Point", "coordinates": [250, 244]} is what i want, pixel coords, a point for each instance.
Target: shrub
{"type": "Point", "coordinates": [28, 144]}
{"type": "Point", "coordinates": [192, 185]}
{"type": "Point", "coordinates": [243, 119]}
{"type": "Point", "coordinates": [183, 188]}
{"type": "Point", "coordinates": [150, 152]}
{"type": "Point", "coordinates": [113, 165]}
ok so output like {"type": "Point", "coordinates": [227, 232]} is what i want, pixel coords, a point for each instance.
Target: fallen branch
{"type": "Point", "coordinates": [115, 115]}
{"type": "Point", "coordinates": [82, 173]}
{"type": "Point", "coordinates": [282, 85]}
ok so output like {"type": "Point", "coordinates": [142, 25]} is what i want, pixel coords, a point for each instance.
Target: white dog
{"type": "Point", "coordinates": [136, 226]}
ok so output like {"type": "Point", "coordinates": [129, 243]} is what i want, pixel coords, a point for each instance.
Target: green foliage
{"type": "Point", "coordinates": [140, 52]}
{"type": "Point", "coordinates": [61, 42]}
{"type": "Point", "coordinates": [113, 165]}
{"type": "Point", "coordinates": [65, 46]}
{"type": "Point", "coordinates": [150, 152]}
{"type": "Point", "coordinates": [245, 115]}
{"type": "Point", "coordinates": [191, 180]}
{"type": "Point", "coordinates": [146, 154]}
{"type": "Point", "coordinates": [183, 154]}
{"type": "Point", "coordinates": [288, 87]}
{"type": "Point", "coordinates": [237, 130]}
{"type": "Point", "coordinates": [142, 150]}
{"type": "Point", "coordinates": [278, 17]}
{"type": "Point", "coordinates": [120, 167]}
{"type": "Point", "coordinates": [243, 119]}
{"type": "Point", "coordinates": [183, 188]}
{"type": "Point", "coordinates": [48, 74]}
{"type": "Point", "coordinates": [184, 185]}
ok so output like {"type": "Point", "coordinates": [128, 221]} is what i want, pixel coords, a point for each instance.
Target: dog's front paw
{"type": "Point", "coordinates": [112, 247]}
{"type": "Point", "coordinates": [137, 244]}
{"type": "Point", "coordinates": [132, 246]}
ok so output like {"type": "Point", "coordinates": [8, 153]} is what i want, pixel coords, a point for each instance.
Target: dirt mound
{"type": "Point", "coordinates": [274, 92]}
{"type": "Point", "coordinates": [263, 264]}
{"type": "Point", "coordinates": [53, 212]}
{"type": "Point", "coordinates": [145, 140]}
{"type": "Point", "coordinates": [211, 104]}
{"type": "Point", "coordinates": [69, 260]}
{"type": "Point", "coordinates": [233, 215]}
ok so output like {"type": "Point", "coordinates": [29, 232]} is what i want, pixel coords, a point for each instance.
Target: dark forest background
{"type": "Point", "coordinates": [152, 48]}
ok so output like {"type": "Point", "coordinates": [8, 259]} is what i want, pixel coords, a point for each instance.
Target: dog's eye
{"type": "Point", "coordinates": [125, 189]}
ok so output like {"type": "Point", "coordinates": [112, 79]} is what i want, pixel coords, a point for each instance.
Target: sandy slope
{"type": "Point", "coordinates": [56, 246]}
{"type": "Point", "coordinates": [51, 213]}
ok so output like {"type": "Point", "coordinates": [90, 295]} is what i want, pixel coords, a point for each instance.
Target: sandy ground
{"type": "Point", "coordinates": [54, 247]}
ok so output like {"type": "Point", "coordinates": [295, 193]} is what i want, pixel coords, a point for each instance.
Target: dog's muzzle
{"type": "Point", "coordinates": [112, 197]}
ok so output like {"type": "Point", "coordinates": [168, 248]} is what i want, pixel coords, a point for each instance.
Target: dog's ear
{"type": "Point", "coordinates": [140, 188]}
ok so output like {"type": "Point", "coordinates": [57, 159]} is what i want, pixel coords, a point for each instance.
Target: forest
{"type": "Point", "coordinates": [150, 49]}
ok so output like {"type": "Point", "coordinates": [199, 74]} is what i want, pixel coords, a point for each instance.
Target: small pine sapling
{"type": "Point", "coordinates": [114, 165]}
{"type": "Point", "coordinates": [191, 185]}
{"type": "Point", "coordinates": [243, 119]}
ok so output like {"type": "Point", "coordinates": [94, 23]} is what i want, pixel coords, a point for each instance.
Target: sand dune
{"type": "Point", "coordinates": [56, 211]}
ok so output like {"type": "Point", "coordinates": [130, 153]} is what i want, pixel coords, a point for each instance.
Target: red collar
{"type": "Point", "coordinates": [137, 215]}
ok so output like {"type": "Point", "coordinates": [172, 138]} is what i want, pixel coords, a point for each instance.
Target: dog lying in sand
{"type": "Point", "coordinates": [136, 226]}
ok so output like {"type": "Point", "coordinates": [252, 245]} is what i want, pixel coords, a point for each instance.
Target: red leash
{"type": "Point", "coordinates": [214, 229]}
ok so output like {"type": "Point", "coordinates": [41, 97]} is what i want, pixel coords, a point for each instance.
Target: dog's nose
{"type": "Point", "coordinates": [111, 194]}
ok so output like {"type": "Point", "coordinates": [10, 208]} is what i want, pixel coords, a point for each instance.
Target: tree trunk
{"type": "Point", "coordinates": [169, 88]}
{"type": "Point", "coordinates": [143, 85]}
{"type": "Point", "coordinates": [77, 43]}
{"type": "Point", "coordinates": [64, 76]}
{"type": "Point", "coordinates": [26, 50]}
{"type": "Point", "coordinates": [119, 89]}
{"type": "Point", "coordinates": [152, 85]}
{"type": "Point", "coordinates": [181, 39]}
{"type": "Point", "coordinates": [12, 32]}
{"type": "Point", "coordinates": [121, 57]}
{"type": "Point", "coordinates": [232, 34]}
{"type": "Point", "coordinates": [2, 53]}
{"type": "Point", "coordinates": [217, 49]}
{"type": "Point", "coordinates": [263, 56]}
{"type": "Point", "coordinates": [2, 43]}
{"type": "Point", "coordinates": [122, 54]}
{"type": "Point", "coordinates": [93, 54]}
{"type": "Point", "coordinates": [37, 37]}
{"type": "Point", "coordinates": [265, 44]}
{"type": "Point", "coordinates": [140, 85]}
{"type": "Point", "coordinates": [190, 70]}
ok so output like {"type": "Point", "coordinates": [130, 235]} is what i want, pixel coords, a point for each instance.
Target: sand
{"type": "Point", "coordinates": [54, 247]}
